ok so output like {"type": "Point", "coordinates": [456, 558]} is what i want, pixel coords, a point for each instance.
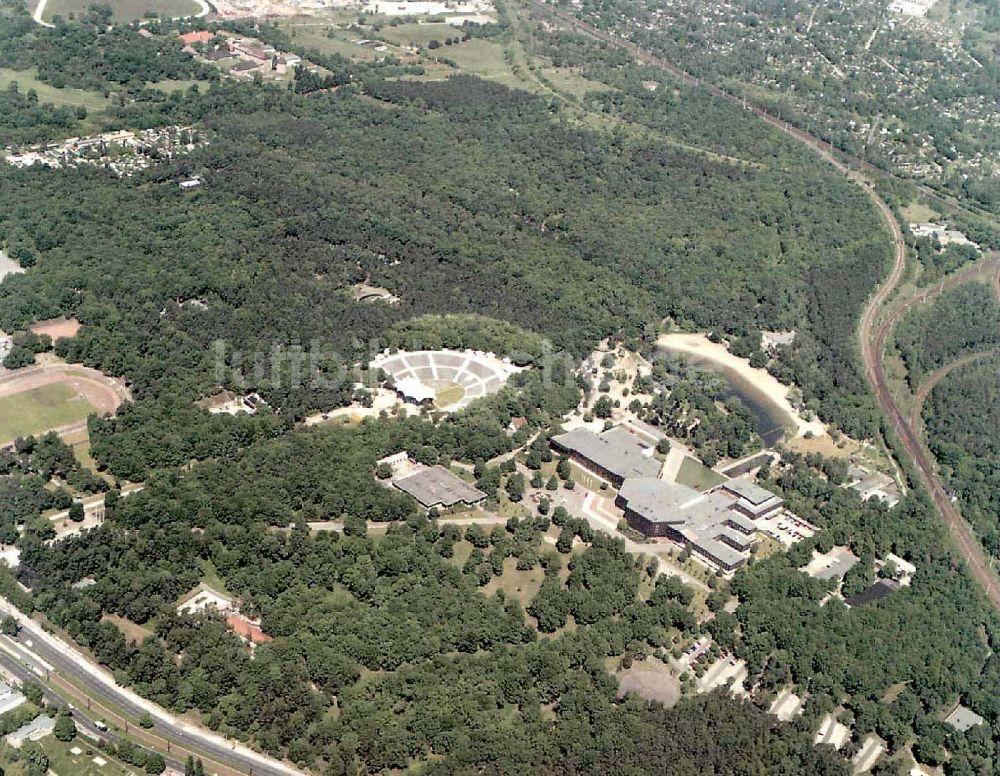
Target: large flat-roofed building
{"type": "Point", "coordinates": [751, 499]}
{"type": "Point", "coordinates": [706, 523]}
{"type": "Point", "coordinates": [435, 486]}
{"type": "Point", "coordinates": [615, 455]}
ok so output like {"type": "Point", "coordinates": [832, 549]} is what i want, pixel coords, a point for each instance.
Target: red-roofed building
{"type": "Point", "coordinates": [246, 630]}
{"type": "Point", "coordinates": [202, 36]}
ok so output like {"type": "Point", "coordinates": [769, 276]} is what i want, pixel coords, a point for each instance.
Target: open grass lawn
{"type": "Point", "coordinates": [312, 33]}
{"type": "Point", "coordinates": [170, 85]}
{"type": "Point", "coordinates": [696, 475]}
{"type": "Point", "coordinates": [519, 585]}
{"type": "Point", "coordinates": [132, 631]}
{"type": "Point", "coordinates": [446, 393]}
{"type": "Point", "coordinates": [212, 579]}
{"type": "Point", "coordinates": [28, 79]}
{"type": "Point", "coordinates": [565, 80]}
{"type": "Point", "coordinates": [919, 211]}
{"type": "Point", "coordinates": [41, 409]}
{"type": "Point", "coordinates": [422, 34]}
{"type": "Point", "coordinates": [62, 761]}
{"type": "Point", "coordinates": [483, 58]}
{"type": "Point", "coordinates": [125, 10]}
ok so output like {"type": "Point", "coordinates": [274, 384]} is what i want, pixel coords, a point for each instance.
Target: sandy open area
{"type": "Point", "coordinates": [57, 327]}
{"type": "Point", "coordinates": [650, 682]}
{"type": "Point", "coordinates": [700, 349]}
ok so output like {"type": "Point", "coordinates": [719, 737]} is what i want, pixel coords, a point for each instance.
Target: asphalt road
{"type": "Point", "coordinates": [232, 759]}
{"type": "Point", "coordinates": [85, 721]}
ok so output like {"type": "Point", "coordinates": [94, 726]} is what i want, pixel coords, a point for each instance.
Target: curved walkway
{"type": "Point", "coordinates": [38, 13]}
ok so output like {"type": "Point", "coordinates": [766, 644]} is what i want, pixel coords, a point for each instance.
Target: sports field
{"type": "Point", "coordinates": [39, 409]}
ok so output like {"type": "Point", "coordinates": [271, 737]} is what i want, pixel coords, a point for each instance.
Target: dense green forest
{"type": "Point", "coordinates": [457, 196]}
{"type": "Point", "coordinates": [504, 222]}
{"type": "Point", "coordinates": [24, 119]}
{"type": "Point", "coordinates": [481, 690]}
{"type": "Point", "coordinates": [962, 319]}
{"type": "Point", "coordinates": [405, 604]}
{"type": "Point", "coordinates": [944, 631]}
{"type": "Point", "coordinates": [962, 415]}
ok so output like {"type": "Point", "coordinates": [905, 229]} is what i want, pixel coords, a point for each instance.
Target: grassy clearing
{"type": "Point", "coordinates": [41, 409]}
{"type": "Point", "coordinates": [522, 586]}
{"type": "Point", "coordinates": [421, 35]}
{"type": "Point", "coordinates": [919, 211]}
{"type": "Point", "coordinates": [696, 475]}
{"type": "Point", "coordinates": [28, 79]}
{"type": "Point", "coordinates": [483, 58]}
{"type": "Point", "coordinates": [63, 762]}
{"type": "Point", "coordinates": [328, 39]}
{"type": "Point", "coordinates": [169, 85]}
{"type": "Point", "coordinates": [567, 81]}
{"type": "Point", "coordinates": [447, 394]}
{"type": "Point", "coordinates": [211, 578]}
{"type": "Point", "coordinates": [132, 630]}
{"type": "Point", "coordinates": [125, 10]}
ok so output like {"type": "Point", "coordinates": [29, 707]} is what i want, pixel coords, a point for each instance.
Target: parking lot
{"type": "Point", "coordinates": [785, 527]}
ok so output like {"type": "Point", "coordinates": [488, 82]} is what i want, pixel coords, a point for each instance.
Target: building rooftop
{"type": "Point", "coordinates": [414, 389]}
{"type": "Point", "coordinates": [831, 565]}
{"type": "Point", "coordinates": [746, 489]}
{"type": "Point", "coordinates": [39, 727]}
{"type": "Point", "coordinates": [700, 517]}
{"type": "Point", "coordinates": [876, 592]}
{"type": "Point", "coordinates": [436, 485]}
{"type": "Point", "coordinates": [616, 450]}
{"type": "Point", "coordinates": [963, 718]}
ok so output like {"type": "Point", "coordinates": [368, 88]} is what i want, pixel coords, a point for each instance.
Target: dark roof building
{"type": "Point", "coordinates": [876, 592]}
{"type": "Point", "coordinates": [436, 486]}
{"type": "Point", "coordinates": [616, 454]}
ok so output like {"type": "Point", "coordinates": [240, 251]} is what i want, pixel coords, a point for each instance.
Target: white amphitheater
{"type": "Point", "coordinates": [450, 379]}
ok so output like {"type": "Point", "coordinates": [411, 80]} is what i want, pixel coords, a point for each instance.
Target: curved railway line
{"type": "Point", "coordinates": [871, 340]}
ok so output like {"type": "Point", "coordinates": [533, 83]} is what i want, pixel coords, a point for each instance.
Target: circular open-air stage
{"type": "Point", "coordinates": [446, 379]}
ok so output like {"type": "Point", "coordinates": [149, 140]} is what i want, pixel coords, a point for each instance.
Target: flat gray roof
{"type": "Point", "coordinates": [436, 485]}
{"type": "Point", "coordinates": [751, 491]}
{"type": "Point", "coordinates": [718, 550]}
{"type": "Point", "coordinates": [699, 517]}
{"type": "Point", "coordinates": [617, 450]}
{"type": "Point", "coordinates": [841, 561]}
{"type": "Point", "coordinates": [963, 718]}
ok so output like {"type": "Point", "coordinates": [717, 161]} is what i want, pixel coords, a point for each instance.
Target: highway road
{"type": "Point", "coordinates": [20, 666]}
{"type": "Point", "coordinates": [219, 754]}
{"type": "Point", "coordinates": [871, 343]}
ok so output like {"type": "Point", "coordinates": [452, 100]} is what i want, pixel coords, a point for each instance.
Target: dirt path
{"type": "Point", "coordinates": [872, 342]}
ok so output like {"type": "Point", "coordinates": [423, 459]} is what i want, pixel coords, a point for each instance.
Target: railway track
{"type": "Point", "coordinates": [871, 335]}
